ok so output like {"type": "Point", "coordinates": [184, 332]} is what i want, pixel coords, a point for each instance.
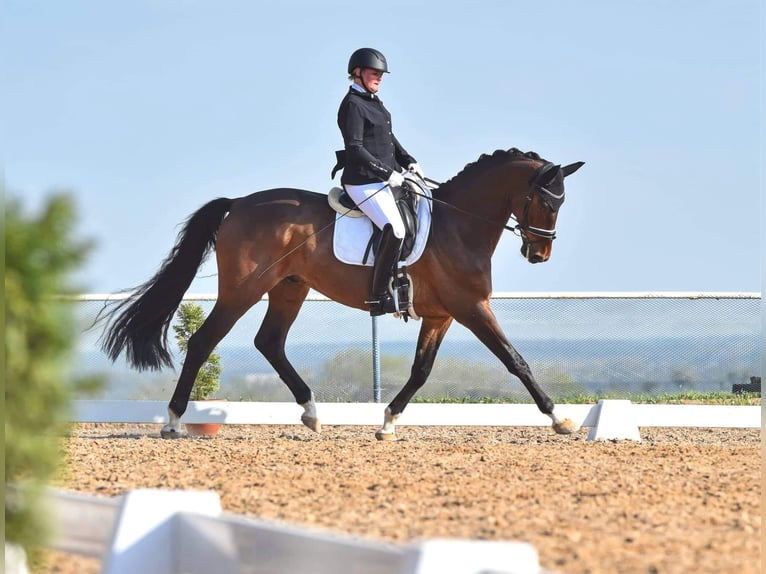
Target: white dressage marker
{"type": "Point", "coordinates": [471, 557]}
{"type": "Point", "coordinates": [615, 420]}
{"type": "Point", "coordinates": [144, 538]}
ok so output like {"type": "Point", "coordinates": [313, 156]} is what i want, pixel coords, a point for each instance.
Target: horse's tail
{"type": "Point", "coordinates": [139, 324]}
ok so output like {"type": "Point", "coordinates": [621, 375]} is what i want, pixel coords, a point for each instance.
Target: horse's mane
{"type": "Point", "coordinates": [487, 161]}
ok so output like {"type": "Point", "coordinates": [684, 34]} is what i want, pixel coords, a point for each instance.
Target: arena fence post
{"type": "Point", "coordinates": [375, 361]}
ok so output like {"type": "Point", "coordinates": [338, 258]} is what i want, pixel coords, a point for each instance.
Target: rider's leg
{"type": "Point", "coordinates": [379, 205]}
{"type": "Point", "coordinates": [381, 301]}
{"type": "Point", "coordinates": [377, 202]}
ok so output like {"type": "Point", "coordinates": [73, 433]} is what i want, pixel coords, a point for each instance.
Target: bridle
{"type": "Point", "coordinates": [523, 227]}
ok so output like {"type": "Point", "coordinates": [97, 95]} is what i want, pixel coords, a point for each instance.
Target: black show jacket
{"type": "Point", "coordinates": [372, 152]}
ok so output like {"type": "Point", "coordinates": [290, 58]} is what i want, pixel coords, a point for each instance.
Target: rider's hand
{"type": "Point", "coordinates": [395, 180]}
{"type": "Point", "coordinates": [417, 170]}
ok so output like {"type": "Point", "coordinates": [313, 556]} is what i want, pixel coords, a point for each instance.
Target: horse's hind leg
{"type": "Point", "coordinates": [201, 344]}
{"type": "Point", "coordinates": [285, 301]}
{"type": "Point", "coordinates": [430, 338]}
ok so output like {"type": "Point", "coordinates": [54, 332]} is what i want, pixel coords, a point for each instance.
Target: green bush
{"type": "Point", "coordinates": [190, 318]}
{"type": "Point", "coordinates": [39, 337]}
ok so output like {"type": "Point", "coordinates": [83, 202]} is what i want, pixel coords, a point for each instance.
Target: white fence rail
{"type": "Point", "coordinates": [609, 419]}
{"type": "Point", "coordinates": [185, 532]}
{"type": "Point", "coordinates": [497, 295]}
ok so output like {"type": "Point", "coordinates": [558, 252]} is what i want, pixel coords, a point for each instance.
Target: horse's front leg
{"type": "Point", "coordinates": [173, 427]}
{"type": "Point", "coordinates": [482, 322]}
{"type": "Point", "coordinates": [431, 335]}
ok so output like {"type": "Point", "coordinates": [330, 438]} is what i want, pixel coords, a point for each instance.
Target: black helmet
{"type": "Point", "coordinates": [367, 58]}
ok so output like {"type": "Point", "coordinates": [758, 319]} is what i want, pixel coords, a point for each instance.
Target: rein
{"type": "Point", "coordinates": [516, 229]}
{"type": "Point", "coordinates": [463, 211]}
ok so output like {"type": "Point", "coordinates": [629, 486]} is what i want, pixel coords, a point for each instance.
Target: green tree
{"type": "Point", "coordinates": [39, 337]}
{"type": "Point", "coordinates": [190, 318]}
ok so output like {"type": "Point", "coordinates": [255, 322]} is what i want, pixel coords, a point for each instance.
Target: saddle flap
{"type": "Point", "coordinates": [351, 237]}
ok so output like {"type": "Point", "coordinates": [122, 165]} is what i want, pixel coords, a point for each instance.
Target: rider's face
{"type": "Point", "coordinates": [372, 79]}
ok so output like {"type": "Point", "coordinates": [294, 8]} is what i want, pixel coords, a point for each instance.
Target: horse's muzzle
{"type": "Point", "coordinates": [533, 255]}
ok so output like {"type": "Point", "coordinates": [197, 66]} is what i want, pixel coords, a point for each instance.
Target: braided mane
{"type": "Point", "coordinates": [486, 161]}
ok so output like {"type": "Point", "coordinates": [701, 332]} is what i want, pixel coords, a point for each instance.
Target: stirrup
{"type": "Point", "coordinates": [383, 305]}
{"type": "Point", "coordinates": [404, 292]}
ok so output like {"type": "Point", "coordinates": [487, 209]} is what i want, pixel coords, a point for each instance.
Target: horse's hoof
{"type": "Point", "coordinates": [313, 423]}
{"type": "Point", "coordinates": [567, 426]}
{"type": "Point", "coordinates": [382, 435]}
{"type": "Point", "coordinates": [170, 433]}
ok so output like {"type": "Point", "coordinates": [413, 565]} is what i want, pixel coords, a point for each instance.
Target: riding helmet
{"type": "Point", "coordinates": [367, 58]}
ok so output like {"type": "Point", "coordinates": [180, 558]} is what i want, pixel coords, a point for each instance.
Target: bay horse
{"type": "Point", "coordinates": [273, 242]}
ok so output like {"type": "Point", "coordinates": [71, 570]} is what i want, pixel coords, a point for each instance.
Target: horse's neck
{"type": "Point", "coordinates": [489, 197]}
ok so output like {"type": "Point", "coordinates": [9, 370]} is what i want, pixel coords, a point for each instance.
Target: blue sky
{"type": "Point", "coordinates": [148, 109]}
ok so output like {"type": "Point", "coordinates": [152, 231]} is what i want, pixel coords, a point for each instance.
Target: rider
{"type": "Point", "coordinates": [373, 166]}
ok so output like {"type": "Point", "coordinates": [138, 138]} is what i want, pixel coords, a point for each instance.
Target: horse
{"type": "Point", "coordinates": [275, 242]}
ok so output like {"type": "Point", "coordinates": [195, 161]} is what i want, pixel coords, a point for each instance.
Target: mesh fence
{"type": "Point", "coordinates": [620, 346]}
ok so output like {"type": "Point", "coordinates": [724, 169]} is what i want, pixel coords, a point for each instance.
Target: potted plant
{"type": "Point", "coordinates": [190, 318]}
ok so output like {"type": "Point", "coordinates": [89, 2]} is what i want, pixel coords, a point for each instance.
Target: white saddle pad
{"type": "Point", "coordinates": [352, 234]}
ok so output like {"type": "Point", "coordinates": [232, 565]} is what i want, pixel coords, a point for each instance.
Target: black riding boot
{"type": "Point", "coordinates": [385, 259]}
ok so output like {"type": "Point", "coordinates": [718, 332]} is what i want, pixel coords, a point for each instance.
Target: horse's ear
{"type": "Point", "coordinates": [571, 168]}
{"type": "Point", "coordinates": [546, 174]}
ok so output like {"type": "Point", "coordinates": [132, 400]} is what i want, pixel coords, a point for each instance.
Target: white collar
{"type": "Point", "coordinates": [361, 90]}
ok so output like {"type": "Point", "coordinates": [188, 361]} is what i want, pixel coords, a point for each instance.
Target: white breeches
{"type": "Point", "coordinates": [380, 207]}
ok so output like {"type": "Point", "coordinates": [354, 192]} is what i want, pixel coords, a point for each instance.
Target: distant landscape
{"type": "Point", "coordinates": [463, 369]}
